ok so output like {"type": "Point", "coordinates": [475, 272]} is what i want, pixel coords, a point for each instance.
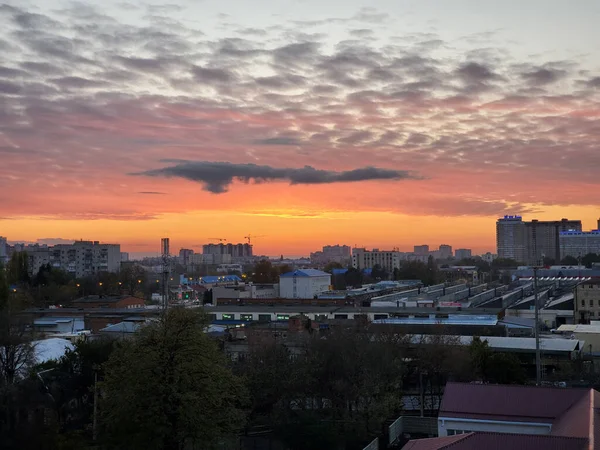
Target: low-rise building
{"type": "Point", "coordinates": [387, 259]}
{"type": "Point", "coordinates": [587, 301]}
{"type": "Point", "coordinates": [474, 416]}
{"type": "Point", "coordinates": [109, 301]}
{"type": "Point", "coordinates": [305, 283]}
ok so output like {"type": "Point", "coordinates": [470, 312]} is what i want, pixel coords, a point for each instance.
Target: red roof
{"type": "Point", "coordinates": [508, 402]}
{"type": "Point", "coordinates": [499, 441]}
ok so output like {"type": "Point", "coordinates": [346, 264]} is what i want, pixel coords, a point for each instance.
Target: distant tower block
{"type": "Point", "coordinates": [164, 246]}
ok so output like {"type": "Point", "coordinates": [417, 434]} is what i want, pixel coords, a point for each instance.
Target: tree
{"type": "Point", "coordinates": [332, 265]}
{"type": "Point", "coordinates": [169, 388]}
{"type": "Point", "coordinates": [18, 269]}
{"type": "Point", "coordinates": [264, 272]}
{"type": "Point", "coordinates": [569, 261]}
{"type": "Point", "coordinates": [590, 259]}
{"type": "Point", "coordinates": [353, 277]}
{"type": "Point", "coordinates": [379, 273]}
{"type": "Point", "coordinates": [133, 279]}
{"type": "Point", "coordinates": [492, 367]}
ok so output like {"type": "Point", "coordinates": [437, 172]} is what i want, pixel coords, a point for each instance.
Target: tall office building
{"type": "Point", "coordinates": [530, 242]}
{"type": "Point", "coordinates": [510, 238]}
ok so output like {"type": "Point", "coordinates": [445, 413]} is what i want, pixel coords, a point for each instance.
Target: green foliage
{"type": "Point", "coordinates": [569, 261]}
{"type": "Point", "coordinates": [416, 270]}
{"type": "Point", "coordinates": [264, 272]}
{"type": "Point", "coordinates": [492, 367]}
{"type": "Point", "coordinates": [353, 277]}
{"type": "Point", "coordinates": [589, 259]}
{"type": "Point", "coordinates": [17, 269]}
{"type": "Point", "coordinates": [379, 273]}
{"type": "Point", "coordinates": [332, 265]}
{"type": "Point", "coordinates": [169, 388]}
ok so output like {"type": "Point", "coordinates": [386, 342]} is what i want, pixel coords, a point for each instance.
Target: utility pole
{"type": "Point", "coordinates": [538, 357]}
{"type": "Point", "coordinates": [95, 417]}
{"type": "Point", "coordinates": [166, 268]}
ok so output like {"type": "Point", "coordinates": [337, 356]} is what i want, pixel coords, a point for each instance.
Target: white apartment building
{"type": "Point", "coordinates": [305, 283]}
{"type": "Point", "coordinates": [579, 243]}
{"type": "Point", "coordinates": [81, 259]}
{"type": "Point", "coordinates": [367, 259]}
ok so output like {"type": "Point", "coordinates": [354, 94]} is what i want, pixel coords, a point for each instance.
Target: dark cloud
{"type": "Point", "coordinates": [593, 82]}
{"type": "Point", "coordinates": [216, 177]}
{"type": "Point", "coordinates": [9, 72]}
{"type": "Point", "coordinates": [543, 76]}
{"type": "Point", "coordinates": [473, 72]}
{"type": "Point", "coordinates": [7, 87]}
{"type": "Point", "coordinates": [76, 82]}
{"type": "Point", "coordinates": [152, 193]}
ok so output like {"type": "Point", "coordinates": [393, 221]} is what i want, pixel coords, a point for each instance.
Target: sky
{"type": "Point", "coordinates": [379, 124]}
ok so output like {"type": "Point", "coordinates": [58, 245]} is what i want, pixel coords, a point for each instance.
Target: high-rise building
{"type": "Point", "coordinates": [510, 238]}
{"type": "Point", "coordinates": [332, 253]}
{"type": "Point", "coordinates": [445, 251]}
{"type": "Point", "coordinates": [185, 256]}
{"type": "Point", "coordinates": [463, 253]}
{"type": "Point", "coordinates": [234, 250]}
{"type": "Point", "coordinates": [578, 243]}
{"type": "Point", "coordinates": [542, 238]}
{"type": "Point", "coordinates": [421, 250]}
{"type": "Point", "coordinates": [531, 242]}
{"type": "Point", "coordinates": [365, 259]}
{"type": "Point", "coordinates": [81, 259]}
{"type": "Point", "coordinates": [3, 250]}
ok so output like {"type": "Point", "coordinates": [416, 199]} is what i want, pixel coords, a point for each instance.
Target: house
{"type": "Point", "coordinates": [304, 283]}
{"type": "Point", "coordinates": [474, 416]}
{"type": "Point", "coordinates": [109, 301]}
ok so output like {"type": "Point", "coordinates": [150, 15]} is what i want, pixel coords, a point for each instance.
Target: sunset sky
{"type": "Point", "coordinates": [422, 121]}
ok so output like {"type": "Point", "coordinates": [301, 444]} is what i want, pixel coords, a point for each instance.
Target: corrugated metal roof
{"type": "Point", "coordinates": [504, 402]}
{"type": "Point", "coordinates": [498, 441]}
{"type": "Point", "coordinates": [122, 327]}
{"type": "Point", "coordinates": [306, 273]}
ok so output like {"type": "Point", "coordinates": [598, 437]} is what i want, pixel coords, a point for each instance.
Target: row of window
{"type": "Point", "coordinates": [267, 317]}
{"type": "Point", "coordinates": [591, 302]}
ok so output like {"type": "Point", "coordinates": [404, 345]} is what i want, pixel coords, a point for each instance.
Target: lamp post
{"type": "Point", "coordinates": [538, 357]}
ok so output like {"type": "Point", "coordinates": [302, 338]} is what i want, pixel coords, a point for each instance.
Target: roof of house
{"type": "Point", "coordinates": [504, 402]}
{"type": "Point", "coordinates": [305, 273]}
{"type": "Point", "coordinates": [122, 327]}
{"type": "Point", "coordinates": [499, 441]}
{"type": "Point", "coordinates": [102, 299]}
{"type": "Point", "coordinates": [213, 279]}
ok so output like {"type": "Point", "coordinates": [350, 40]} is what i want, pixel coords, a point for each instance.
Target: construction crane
{"type": "Point", "coordinates": [217, 239]}
{"type": "Point", "coordinates": [252, 236]}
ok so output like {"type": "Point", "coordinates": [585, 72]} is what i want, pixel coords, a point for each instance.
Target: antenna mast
{"type": "Point", "coordinates": [166, 269]}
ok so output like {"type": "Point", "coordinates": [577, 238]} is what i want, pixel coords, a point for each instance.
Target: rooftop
{"type": "Point", "coordinates": [305, 273]}
{"type": "Point", "coordinates": [101, 298]}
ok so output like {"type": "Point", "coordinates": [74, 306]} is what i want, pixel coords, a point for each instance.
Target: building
{"type": "Point", "coordinates": [494, 417]}
{"type": "Point", "coordinates": [531, 242]}
{"type": "Point", "coordinates": [587, 301]}
{"type": "Point", "coordinates": [590, 334]}
{"type": "Point", "coordinates": [124, 257]}
{"type": "Point", "coordinates": [445, 251]}
{"type": "Point", "coordinates": [185, 256]}
{"type": "Point", "coordinates": [305, 283]}
{"type": "Point", "coordinates": [80, 259]}
{"type": "Point", "coordinates": [578, 243]}
{"type": "Point", "coordinates": [463, 253]}
{"type": "Point", "coordinates": [341, 254]}
{"type": "Point", "coordinates": [421, 250]}
{"type": "Point", "coordinates": [366, 259]}
{"type": "Point", "coordinates": [489, 257]}
{"type": "Point", "coordinates": [510, 238]}
{"type": "Point", "coordinates": [234, 250]}
{"type": "Point", "coordinates": [210, 259]}
{"type": "Point", "coordinates": [3, 250]}
{"type": "Point", "coordinates": [108, 301]}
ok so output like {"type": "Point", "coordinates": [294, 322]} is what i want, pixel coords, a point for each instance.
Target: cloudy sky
{"type": "Point", "coordinates": [383, 123]}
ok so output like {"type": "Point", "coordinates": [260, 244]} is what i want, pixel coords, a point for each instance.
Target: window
{"type": "Point", "coordinates": [247, 317]}
{"type": "Point", "coordinates": [212, 317]}
{"type": "Point", "coordinates": [341, 316]}
{"type": "Point", "coordinates": [264, 317]}
{"type": "Point", "coordinates": [283, 317]}
{"type": "Point", "coordinates": [582, 302]}
{"type": "Point", "coordinates": [380, 316]}
{"type": "Point", "coordinates": [228, 316]}
{"type": "Point", "coordinates": [591, 302]}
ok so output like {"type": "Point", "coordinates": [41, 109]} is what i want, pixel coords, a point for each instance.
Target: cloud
{"type": "Point", "coordinates": [282, 140]}
{"type": "Point", "coordinates": [152, 193]}
{"type": "Point", "coordinates": [218, 176]}
{"type": "Point", "coordinates": [543, 76]}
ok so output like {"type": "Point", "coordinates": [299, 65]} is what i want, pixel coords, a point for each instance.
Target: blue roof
{"type": "Point", "coordinates": [339, 271]}
{"type": "Point", "coordinates": [305, 273]}
{"type": "Point", "coordinates": [212, 279]}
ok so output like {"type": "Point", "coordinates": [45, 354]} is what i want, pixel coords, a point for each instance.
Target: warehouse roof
{"type": "Point", "coordinates": [305, 273]}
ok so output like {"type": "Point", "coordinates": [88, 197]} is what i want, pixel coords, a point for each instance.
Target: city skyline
{"type": "Point", "coordinates": [419, 124]}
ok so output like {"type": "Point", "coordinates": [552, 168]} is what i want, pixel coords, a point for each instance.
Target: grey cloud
{"type": "Point", "coordinates": [593, 82]}
{"type": "Point", "coordinates": [76, 82]}
{"type": "Point", "coordinates": [43, 68]}
{"type": "Point", "coordinates": [35, 21]}
{"type": "Point", "coordinates": [6, 87]}
{"type": "Point", "coordinates": [543, 76]}
{"type": "Point", "coordinates": [296, 52]}
{"type": "Point", "coordinates": [282, 140]}
{"type": "Point", "coordinates": [216, 177]}
{"type": "Point", "coordinates": [152, 193]}
{"type": "Point", "coordinates": [9, 72]}
{"type": "Point", "coordinates": [212, 75]}
{"type": "Point", "coordinates": [476, 73]}
{"type": "Point", "coordinates": [361, 33]}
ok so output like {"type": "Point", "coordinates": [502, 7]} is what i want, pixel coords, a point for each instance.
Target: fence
{"type": "Point", "coordinates": [373, 445]}
{"type": "Point", "coordinates": [426, 426]}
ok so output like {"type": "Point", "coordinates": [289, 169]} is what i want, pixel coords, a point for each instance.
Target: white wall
{"type": "Point", "coordinates": [445, 424]}
{"type": "Point", "coordinates": [305, 287]}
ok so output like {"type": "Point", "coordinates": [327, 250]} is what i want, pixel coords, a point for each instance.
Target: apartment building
{"type": "Point", "coordinates": [332, 253]}
{"type": "Point", "coordinates": [3, 250]}
{"type": "Point", "coordinates": [80, 259]}
{"type": "Point", "coordinates": [463, 253]}
{"type": "Point", "coordinates": [587, 301]}
{"type": "Point", "coordinates": [579, 243]}
{"type": "Point", "coordinates": [531, 242]}
{"type": "Point", "coordinates": [235, 250]}
{"type": "Point", "coordinates": [367, 259]}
